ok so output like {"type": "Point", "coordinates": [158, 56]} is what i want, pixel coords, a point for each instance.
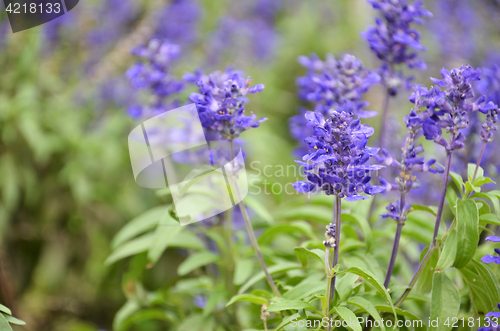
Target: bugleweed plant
{"type": "Point", "coordinates": [264, 265]}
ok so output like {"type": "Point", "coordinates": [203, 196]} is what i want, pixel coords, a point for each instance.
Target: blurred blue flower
{"type": "Point", "coordinates": [153, 75]}
{"type": "Point", "coordinates": [493, 322]}
{"type": "Point", "coordinates": [331, 85]}
{"type": "Point", "coordinates": [393, 39]}
{"type": "Point", "coordinates": [339, 157]}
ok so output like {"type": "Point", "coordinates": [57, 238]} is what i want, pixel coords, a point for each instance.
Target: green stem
{"type": "Point", "coordinates": [251, 233]}
{"type": "Point", "coordinates": [479, 160]}
{"type": "Point", "coordinates": [337, 216]}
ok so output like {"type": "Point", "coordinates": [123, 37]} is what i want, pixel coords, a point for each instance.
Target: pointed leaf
{"type": "Point", "coordinates": [467, 218]}
{"type": "Point", "coordinates": [350, 318]}
{"type": "Point", "coordinates": [445, 301]}
{"type": "Point", "coordinates": [196, 261]}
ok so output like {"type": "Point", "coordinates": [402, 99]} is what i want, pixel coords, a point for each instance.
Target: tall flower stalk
{"type": "Point", "coordinates": [395, 43]}
{"type": "Point", "coordinates": [411, 162]}
{"type": "Point", "coordinates": [448, 110]}
{"type": "Point", "coordinates": [221, 108]}
{"type": "Point", "coordinates": [337, 165]}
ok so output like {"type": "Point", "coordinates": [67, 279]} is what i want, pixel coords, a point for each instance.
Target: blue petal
{"type": "Point", "coordinates": [303, 186]}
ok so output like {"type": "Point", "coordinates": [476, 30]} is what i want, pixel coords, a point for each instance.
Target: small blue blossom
{"type": "Point", "coordinates": [221, 102]}
{"type": "Point", "coordinates": [492, 318]}
{"type": "Point", "coordinates": [395, 212]}
{"type": "Point", "coordinates": [492, 258]}
{"type": "Point", "coordinates": [449, 109]}
{"type": "Point", "coordinates": [337, 162]}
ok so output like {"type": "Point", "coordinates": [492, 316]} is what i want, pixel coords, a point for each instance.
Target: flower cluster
{"type": "Point", "coordinates": [392, 39]}
{"type": "Point", "coordinates": [449, 109]}
{"type": "Point", "coordinates": [330, 236]}
{"type": "Point", "coordinates": [331, 85]}
{"type": "Point", "coordinates": [339, 156]}
{"type": "Point", "coordinates": [411, 162]}
{"type": "Point", "coordinates": [153, 74]}
{"type": "Point", "coordinates": [221, 103]}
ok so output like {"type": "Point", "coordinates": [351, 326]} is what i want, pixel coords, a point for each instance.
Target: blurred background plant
{"type": "Point", "coordinates": [66, 185]}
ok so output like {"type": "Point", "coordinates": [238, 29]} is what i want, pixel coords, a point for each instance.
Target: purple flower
{"type": "Point", "coordinates": [152, 74]}
{"type": "Point", "coordinates": [493, 325]}
{"type": "Point", "coordinates": [393, 40]}
{"type": "Point", "coordinates": [395, 212]}
{"type": "Point", "coordinates": [449, 109]}
{"type": "Point", "coordinates": [221, 102]}
{"type": "Point", "coordinates": [491, 258]}
{"type": "Point", "coordinates": [338, 156]}
{"type": "Point", "coordinates": [411, 162]}
{"type": "Point", "coordinates": [331, 85]}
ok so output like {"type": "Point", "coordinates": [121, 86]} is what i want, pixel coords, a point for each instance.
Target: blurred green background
{"type": "Point", "coordinates": [66, 184]}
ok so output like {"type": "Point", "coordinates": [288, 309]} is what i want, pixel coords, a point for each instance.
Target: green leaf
{"type": "Point", "coordinates": [132, 247]}
{"type": "Point", "coordinates": [291, 304]}
{"type": "Point", "coordinates": [140, 224]}
{"type": "Point", "coordinates": [424, 283]}
{"type": "Point", "coordinates": [368, 307]}
{"type": "Point", "coordinates": [167, 228]}
{"type": "Point", "coordinates": [449, 252]}
{"type": "Point", "coordinates": [471, 168]}
{"type": "Point", "coordinates": [345, 287]}
{"type": "Point", "coordinates": [303, 254]}
{"type": "Point", "coordinates": [451, 197]}
{"type": "Point", "coordinates": [307, 287]}
{"type": "Point", "coordinates": [493, 197]}
{"type": "Point", "coordinates": [281, 267]}
{"type": "Point", "coordinates": [247, 298]}
{"type": "Point", "coordinates": [467, 221]}
{"type": "Point", "coordinates": [489, 219]}
{"type": "Point", "coordinates": [299, 227]}
{"type": "Point", "coordinates": [363, 225]}
{"type": "Point", "coordinates": [5, 309]}
{"type": "Point", "coordinates": [4, 325]}
{"type": "Point", "coordinates": [350, 318]}
{"type": "Point", "coordinates": [370, 278]}
{"type": "Point", "coordinates": [242, 271]}
{"type": "Point", "coordinates": [289, 319]}
{"type": "Point", "coordinates": [308, 212]}
{"type": "Point", "coordinates": [482, 181]}
{"type": "Point", "coordinates": [483, 286]}
{"type": "Point", "coordinates": [13, 320]}
{"type": "Point", "coordinates": [459, 182]}
{"type": "Point", "coordinates": [123, 313]}
{"type": "Point", "coordinates": [399, 311]}
{"type": "Point", "coordinates": [259, 209]}
{"type": "Point", "coordinates": [430, 209]}
{"type": "Point", "coordinates": [196, 261]}
{"type": "Point", "coordinates": [445, 301]}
